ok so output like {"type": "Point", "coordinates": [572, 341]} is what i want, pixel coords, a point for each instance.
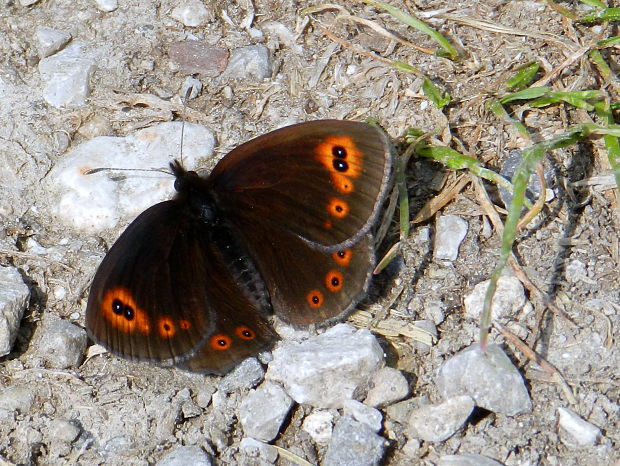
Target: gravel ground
{"type": "Point", "coordinates": [135, 58]}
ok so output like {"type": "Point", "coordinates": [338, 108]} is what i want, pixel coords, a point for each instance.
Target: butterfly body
{"type": "Point", "coordinates": [281, 225]}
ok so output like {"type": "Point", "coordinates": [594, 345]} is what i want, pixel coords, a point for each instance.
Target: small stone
{"type": "Point", "coordinates": [400, 412]}
{"type": "Point", "coordinates": [388, 386]}
{"type": "Point", "coordinates": [191, 13]}
{"type": "Point", "coordinates": [204, 394]}
{"type": "Point", "coordinates": [252, 61]}
{"type": "Point", "coordinates": [14, 297]}
{"type": "Point", "coordinates": [574, 431]}
{"type": "Point", "coordinates": [319, 425]}
{"type": "Point", "coordinates": [27, 2]}
{"type": "Point", "coordinates": [364, 414]}
{"type": "Point", "coordinates": [467, 460]}
{"type": "Point", "coordinates": [60, 343]}
{"type": "Point", "coordinates": [50, 41]}
{"type": "Point", "coordinates": [16, 398]}
{"type": "Point", "coordinates": [354, 443]}
{"type": "Point", "coordinates": [246, 375]}
{"type": "Point", "coordinates": [186, 456]}
{"type": "Point", "coordinates": [106, 5]}
{"type": "Point", "coordinates": [450, 232]}
{"type": "Point", "coordinates": [508, 300]}
{"type": "Point", "coordinates": [258, 450]}
{"type": "Point", "coordinates": [489, 377]}
{"type": "Point", "coordinates": [194, 56]}
{"type": "Point", "coordinates": [436, 423]}
{"type": "Point", "coordinates": [263, 411]}
{"type": "Point", "coordinates": [191, 88]}
{"type": "Point", "coordinates": [96, 202]}
{"type": "Point", "coordinates": [326, 370]}
{"type": "Point", "coordinates": [66, 75]}
{"type": "Point", "coordinates": [96, 126]}
{"type": "Point", "coordinates": [63, 431]}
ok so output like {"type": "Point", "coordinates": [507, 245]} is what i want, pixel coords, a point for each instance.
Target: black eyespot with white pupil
{"type": "Point", "coordinates": [121, 309]}
{"type": "Point", "coordinates": [339, 152]}
{"type": "Point", "coordinates": [339, 164]}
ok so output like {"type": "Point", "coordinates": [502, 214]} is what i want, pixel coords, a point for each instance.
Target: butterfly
{"type": "Point", "coordinates": [281, 225]}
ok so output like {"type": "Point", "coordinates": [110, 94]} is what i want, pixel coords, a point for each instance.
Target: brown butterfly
{"type": "Point", "coordinates": [282, 225]}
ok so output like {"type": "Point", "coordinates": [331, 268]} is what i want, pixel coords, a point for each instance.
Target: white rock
{"type": "Point", "coordinates": [186, 456]}
{"type": "Point", "coordinates": [61, 430]}
{"type": "Point", "coordinates": [27, 2]}
{"type": "Point", "coordinates": [246, 375]}
{"type": "Point", "coordinates": [50, 40]}
{"type": "Point", "coordinates": [388, 386]}
{"type": "Point", "coordinates": [354, 443]}
{"type": "Point", "coordinates": [191, 88]}
{"type": "Point", "coordinates": [326, 370]}
{"type": "Point", "coordinates": [93, 203]}
{"type": "Point", "coordinates": [319, 425]}
{"type": "Point", "coordinates": [365, 414]}
{"type": "Point", "coordinates": [436, 423]}
{"type": "Point", "coordinates": [467, 460]}
{"type": "Point", "coordinates": [508, 300]}
{"type": "Point", "coordinates": [252, 61]}
{"type": "Point", "coordinates": [489, 377]}
{"type": "Point", "coordinates": [106, 5]}
{"type": "Point", "coordinates": [17, 398]}
{"type": "Point", "coordinates": [574, 431]}
{"type": "Point", "coordinates": [59, 342]}
{"type": "Point", "coordinates": [14, 296]}
{"type": "Point", "coordinates": [263, 411]}
{"type": "Point", "coordinates": [191, 13]}
{"type": "Point", "coordinates": [450, 232]}
{"type": "Point", "coordinates": [66, 75]}
{"type": "Point", "coordinates": [255, 449]}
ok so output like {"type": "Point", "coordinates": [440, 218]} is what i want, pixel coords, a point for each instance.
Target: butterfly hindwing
{"type": "Point", "coordinates": [160, 289]}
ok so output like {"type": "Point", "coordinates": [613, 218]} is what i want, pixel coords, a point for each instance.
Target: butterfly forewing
{"type": "Point", "coordinates": [323, 181]}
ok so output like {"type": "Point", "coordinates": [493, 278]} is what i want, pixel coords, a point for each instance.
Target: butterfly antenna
{"type": "Point", "coordinates": [192, 88]}
{"type": "Point", "coordinates": [92, 171]}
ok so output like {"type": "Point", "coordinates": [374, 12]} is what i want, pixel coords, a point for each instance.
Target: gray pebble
{"type": "Point", "coordinates": [467, 460]}
{"type": "Point", "coordinates": [508, 300]}
{"type": "Point", "coordinates": [106, 5]}
{"type": "Point", "coordinates": [326, 370]}
{"type": "Point", "coordinates": [50, 41]}
{"type": "Point", "coordinates": [450, 232]}
{"type": "Point", "coordinates": [252, 61]}
{"type": "Point", "coordinates": [263, 411]}
{"type": "Point", "coordinates": [258, 450]}
{"type": "Point", "coordinates": [388, 386]}
{"type": "Point", "coordinates": [246, 375]}
{"type": "Point", "coordinates": [319, 426]}
{"type": "Point", "coordinates": [14, 296]}
{"type": "Point", "coordinates": [436, 423]}
{"type": "Point", "coordinates": [576, 432]}
{"type": "Point", "coordinates": [186, 456]}
{"type": "Point", "coordinates": [59, 343]}
{"type": "Point", "coordinates": [66, 75]}
{"type": "Point", "coordinates": [191, 13]}
{"type": "Point", "coordinates": [63, 431]}
{"type": "Point", "coordinates": [365, 414]}
{"type": "Point", "coordinates": [489, 377]}
{"type": "Point", "coordinates": [17, 398]}
{"type": "Point", "coordinates": [354, 443]}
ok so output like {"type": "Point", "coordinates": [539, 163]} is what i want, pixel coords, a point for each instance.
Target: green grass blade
{"type": "Point", "coordinates": [416, 24]}
{"type": "Point", "coordinates": [523, 77]}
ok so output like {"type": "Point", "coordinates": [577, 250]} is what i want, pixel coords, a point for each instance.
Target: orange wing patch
{"type": "Point", "coordinates": [121, 310]}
